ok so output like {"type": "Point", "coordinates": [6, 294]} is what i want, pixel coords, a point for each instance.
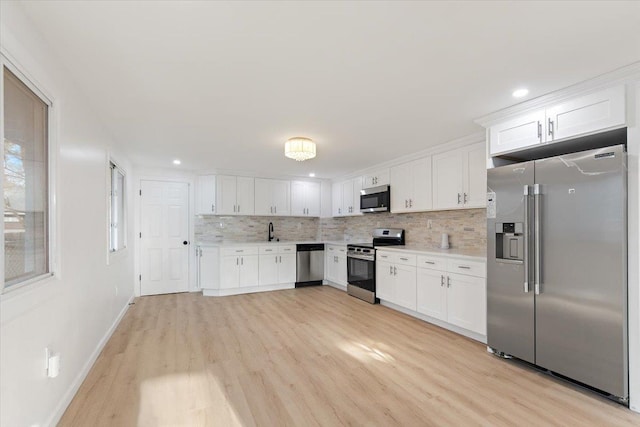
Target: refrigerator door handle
{"type": "Point", "coordinates": [536, 224]}
{"type": "Point", "coordinates": [526, 239]}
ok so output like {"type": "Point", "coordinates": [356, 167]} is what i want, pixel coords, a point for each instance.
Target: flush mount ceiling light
{"type": "Point", "coordinates": [312, 174]}
{"type": "Point", "coordinates": [519, 93]}
{"type": "Point", "coordinates": [300, 148]}
{"type": "Point", "coordinates": [177, 162]}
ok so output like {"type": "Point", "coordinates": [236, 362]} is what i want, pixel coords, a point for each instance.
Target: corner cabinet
{"type": "Point", "coordinates": [235, 195]}
{"type": "Point", "coordinates": [272, 197]}
{"type": "Point", "coordinates": [411, 186]}
{"type": "Point", "coordinates": [206, 195]}
{"type": "Point", "coordinates": [460, 178]}
{"type": "Point", "coordinates": [597, 111]}
{"type": "Point", "coordinates": [305, 198]}
{"type": "Point", "coordinates": [346, 197]}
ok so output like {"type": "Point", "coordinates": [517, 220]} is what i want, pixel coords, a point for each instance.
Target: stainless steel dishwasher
{"type": "Point", "coordinates": [309, 264]}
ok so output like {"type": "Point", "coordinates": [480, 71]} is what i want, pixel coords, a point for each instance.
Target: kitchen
{"type": "Point", "coordinates": [192, 149]}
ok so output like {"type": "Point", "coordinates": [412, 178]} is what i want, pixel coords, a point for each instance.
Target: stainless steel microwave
{"type": "Point", "coordinates": [375, 199]}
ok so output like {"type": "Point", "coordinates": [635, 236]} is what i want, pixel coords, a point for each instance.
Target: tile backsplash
{"type": "Point", "coordinates": [467, 228]}
{"type": "Point", "coordinates": [254, 228]}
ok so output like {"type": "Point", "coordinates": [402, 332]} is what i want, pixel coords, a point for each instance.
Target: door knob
{"type": "Point", "coordinates": [185, 243]}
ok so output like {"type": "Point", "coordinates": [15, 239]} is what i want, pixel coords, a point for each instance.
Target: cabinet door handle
{"type": "Point", "coordinates": [459, 197]}
{"type": "Point", "coordinates": [441, 280]}
{"type": "Point", "coordinates": [429, 262]}
{"type": "Point", "coordinates": [410, 203]}
{"type": "Point", "coordinates": [242, 261]}
{"type": "Point", "coordinates": [406, 203]}
{"type": "Point", "coordinates": [465, 198]}
{"type": "Point", "coordinates": [234, 208]}
{"type": "Point", "coordinates": [404, 259]}
{"type": "Point", "coordinates": [276, 259]}
{"type": "Point", "coordinates": [213, 208]}
{"type": "Point", "coordinates": [270, 209]}
{"type": "Point", "coordinates": [539, 131]}
{"type": "Point", "coordinates": [448, 282]}
{"type": "Point", "coordinates": [391, 270]}
{"type": "Point", "coordinates": [237, 261]}
{"type": "Point", "coordinates": [466, 267]}
{"type": "Point", "coordinates": [550, 127]}
{"type": "Point", "coordinates": [395, 271]}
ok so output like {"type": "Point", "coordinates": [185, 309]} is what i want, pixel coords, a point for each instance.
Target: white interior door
{"type": "Point", "coordinates": [165, 229]}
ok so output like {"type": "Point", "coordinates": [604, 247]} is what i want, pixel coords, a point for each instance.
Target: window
{"type": "Point", "coordinates": [117, 215]}
{"type": "Point", "coordinates": [25, 182]}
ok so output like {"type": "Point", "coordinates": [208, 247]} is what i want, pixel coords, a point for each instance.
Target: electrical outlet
{"type": "Point", "coordinates": [429, 224]}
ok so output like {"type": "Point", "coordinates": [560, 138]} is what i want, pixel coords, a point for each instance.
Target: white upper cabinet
{"type": "Point", "coordinates": [336, 200]}
{"type": "Point", "coordinates": [582, 115]}
{"type": "Point", "coordinates": [376, 179]}
{"type": "Point", "coordinates": [589, 113]}
{"type": "Point", "coordinates": [410, 186]}
{"type": "Point", "coordinates": [459, 178]}
{"type": "Point", "coordinates": [346, 197]}
{"type": "Point", "coordinates": [272, 197]}
{"type": "Point", "coordinates": [305, 198]}
{"type": "Point", "coordinates": [523, 131]}
{"type": "Point", "coordinates": [206, 195]}
{"type": "Point", "coordinates": [234, 195]}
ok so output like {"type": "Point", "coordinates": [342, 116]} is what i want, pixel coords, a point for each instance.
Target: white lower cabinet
{"type": "Point", "coordinates": [447, 289]}
{"type": "Point", "coordinates": [454, 291]}
{"type": "Point", "coordinates": [335, 263]}
{"type": "Point", "coordinates": [233, 270]}
{"type": "Point", "coordinates": [238, 271]}
{"type": "Point", "coordinates": [396, 280]}
{"type": "Point", "coordinates": [277, 268]}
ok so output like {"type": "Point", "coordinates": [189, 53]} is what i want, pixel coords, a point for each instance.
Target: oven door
{"type": "Point", "coordinates": [361, 273]}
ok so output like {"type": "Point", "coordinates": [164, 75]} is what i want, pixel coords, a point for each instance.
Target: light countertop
{"type": "Point", "coordinates": [229, 244]}
{"type": "Point", "coordinates": [472, 254]}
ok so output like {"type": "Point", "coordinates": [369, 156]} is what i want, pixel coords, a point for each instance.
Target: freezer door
{"type": "Point", "coordinates": [510, 298]}
{"type": "Point", "coordinates": [581, 316]}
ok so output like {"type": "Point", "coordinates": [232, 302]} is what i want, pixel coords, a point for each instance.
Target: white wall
{"type": "Point", "coordinates": [73, 313]}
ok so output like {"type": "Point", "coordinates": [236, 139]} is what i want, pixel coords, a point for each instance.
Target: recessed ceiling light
{"type": "Point", "coordinates": [177, 162]}
{"type": "Point", "coordinates": [519, 93]}
{"type": "Point", "coordinates": [312, 174]}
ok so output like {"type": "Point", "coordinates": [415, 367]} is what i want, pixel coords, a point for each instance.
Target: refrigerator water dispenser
{"type": "Point", "coordinates": [509, 241]}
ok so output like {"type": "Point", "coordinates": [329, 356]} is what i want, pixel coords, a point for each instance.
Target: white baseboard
{"type": "Point", "coordinates": [247, 290]}
{"type": "Point", "coordinates": [335, 285]}
{"type": "Point", "coordinates": [469, 334]}
{"type": "Point", "coordinates": [75, 385]}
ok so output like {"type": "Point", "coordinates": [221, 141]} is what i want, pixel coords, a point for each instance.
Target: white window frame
{"type": "Point", "coordinates": [113, 166]}
{"type": "Point", "coordinates": [52, 128]}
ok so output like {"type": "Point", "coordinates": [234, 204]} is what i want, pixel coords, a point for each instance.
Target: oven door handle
{"type": "Point", "coordinates": [362, 257]}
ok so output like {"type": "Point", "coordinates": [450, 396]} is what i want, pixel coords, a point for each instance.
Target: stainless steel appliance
{"type": "Point", "coordinates": [556, 266]}
{"type": "Point", "coordinates": [361, 263]}
{"type": "Point", "coordinates": [375, 199]}
{"type": "Point", "coordinates": [309, 264]}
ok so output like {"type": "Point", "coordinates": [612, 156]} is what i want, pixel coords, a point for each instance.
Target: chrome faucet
{"type": "Point", "coordinates": [270, 231]}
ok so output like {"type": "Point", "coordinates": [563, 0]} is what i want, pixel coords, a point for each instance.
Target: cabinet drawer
{"type": "Point", "coordinates": [469, 268]}
{"type": "Point", "coordinates": [268, 250]}
{"type": "Point", "coordinates": [244, 250]}
{"type": "Point", "coordinates": [426, 261]}
{"type": "Point", "coordinates": [405, 259]}
{"type": "Point", "coordinates": [288, 249]}
{"type": "Point", "coordinates": [385, 256]}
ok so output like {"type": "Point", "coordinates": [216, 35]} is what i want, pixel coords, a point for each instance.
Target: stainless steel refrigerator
{"type": "Point", "coordinates": [556, 265]}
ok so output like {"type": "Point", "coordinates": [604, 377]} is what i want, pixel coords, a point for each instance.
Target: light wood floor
{"type": "Point", "coordinates": [312, 356]}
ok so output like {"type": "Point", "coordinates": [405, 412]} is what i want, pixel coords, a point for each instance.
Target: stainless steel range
{"type": "Point", "coordinates": [361, 263]}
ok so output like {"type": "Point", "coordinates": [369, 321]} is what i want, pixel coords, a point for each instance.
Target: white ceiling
{"type": "Point", "coordinates": [223, 85]}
